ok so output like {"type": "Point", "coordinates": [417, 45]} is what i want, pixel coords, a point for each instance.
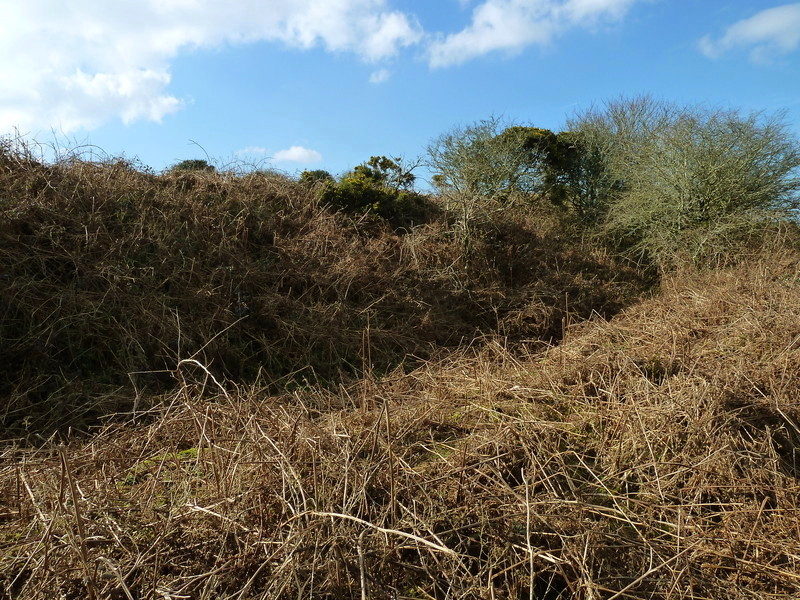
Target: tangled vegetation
{"type": "Point", "coordinates": [241, 385]}
{"type": "Point", "coordinates": [114, 276]}
{"type": "Point", "coordinates": [690, 182]}
{"type": "Point", "coordinates": [660, 183]}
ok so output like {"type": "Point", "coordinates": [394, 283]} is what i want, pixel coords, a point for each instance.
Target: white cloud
{"type": "Point", "coordinates": [76, 65]}
{"type": "Point", "coordinates": [496, 25]}
{"type": "Point", "coordinates": [511, 25]}
{"type": "Point", "coordinates": [380, 76]}
{"type": "Point", "coordinates": [767, 34]}
{"type": "Point", "coordinates": [252, 150]}
{"type": "Point", "coordinates": [581, 11]}
{"type": "Point", "coordinates": [386, 31]}
{"type": "Point", "coordinates": [298, 154]}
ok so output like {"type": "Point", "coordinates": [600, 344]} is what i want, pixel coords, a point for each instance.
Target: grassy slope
{"type": "Point", "coordinates": [648, 456]}
{"type": "Point", "coordinates": [113, 276]}
{"type": "Point", "coordinates": [652, 454]}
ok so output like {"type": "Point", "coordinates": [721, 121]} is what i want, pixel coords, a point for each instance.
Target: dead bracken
{"type": "Point", "coordinates": [215, 387]}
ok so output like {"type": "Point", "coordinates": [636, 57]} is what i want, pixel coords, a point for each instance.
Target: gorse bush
{"type": "Point", "coordinates": [194, 164]}
{"type": "Point", "coordinates": [676, 183]}
{"type": "Point", "coordinates": [574, 177]}
{"type": "Point", "coordinates": [315, 177]}
{"type": "Point", "coordinates": [381, 186]}
{"type": "Point", "coordinates": [482, 169]}
{"type": "Point", "coordinates": [561, 167]}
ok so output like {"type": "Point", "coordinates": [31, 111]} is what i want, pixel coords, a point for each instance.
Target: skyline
{"type": "Point", "coordinates": [326, 84]}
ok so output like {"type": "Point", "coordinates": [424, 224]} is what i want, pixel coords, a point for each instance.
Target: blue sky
{"type": "Point", "coordinates": [295, 84]}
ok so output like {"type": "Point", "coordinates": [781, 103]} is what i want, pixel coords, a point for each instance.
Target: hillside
{"type": "Point", "coordinates": [216, 387]}
{"type": "Point", "coordinates": [113, 275]}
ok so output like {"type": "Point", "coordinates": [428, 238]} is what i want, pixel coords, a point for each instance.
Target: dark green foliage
{"type": "Point", "coordinates": [531, 148]}
{"type": "Point", "coordinates": [315, 177]}
{"type": "Point", "coordinates": [538, 144]}
{"type": "Point", "coordinates": [560, 167]}
{"type": "Point", "coordinates": [194, 164]}
{"type": "Point", "coordinates": [573, 175]}
{"type": "Point", "coordinates": [380, 186]}
{"type": "Point", "coordinates": [387, 172]}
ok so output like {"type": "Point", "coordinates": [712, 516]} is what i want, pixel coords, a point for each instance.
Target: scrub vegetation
{"type": "Point", "coordinates": [571, 371]}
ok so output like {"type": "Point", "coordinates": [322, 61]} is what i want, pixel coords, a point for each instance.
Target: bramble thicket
{"type": "Point", "coordinates": [567, 370]}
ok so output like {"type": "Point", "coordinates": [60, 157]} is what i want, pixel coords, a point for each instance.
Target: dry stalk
{"type": "Point", "coordinates": [89, 571]}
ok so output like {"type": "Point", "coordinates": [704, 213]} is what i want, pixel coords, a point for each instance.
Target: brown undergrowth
{"type": "Point", "coordinates": [650, 456]}
{"type": "Point", "coordinates": [112, 275]}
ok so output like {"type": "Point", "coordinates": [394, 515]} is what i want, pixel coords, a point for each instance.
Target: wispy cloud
{"type": "Point", "coordinates": [380, 76]}
{"type": "Point", "coordinates": [298, 154]}
{"type": "Point", "coordinates": [767, 34]}
{"type": "Point", "coordinates": [252, 151]}
{"type": "Point", "coordinates": [582, 12]}
{"type": "Point", "coordinates": [77, 65]}
{"type": "Point", "coordinates": [512, 25]}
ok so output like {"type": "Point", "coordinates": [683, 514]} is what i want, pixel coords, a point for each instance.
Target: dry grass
{"type": "Point", "coordinates": [112, 275]}
{"type": "Point", "coordinates": [650, 456]}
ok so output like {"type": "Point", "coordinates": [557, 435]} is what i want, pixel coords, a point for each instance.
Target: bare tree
{"type": "Point", "coordinates": [480, 169]}
{"type": "Point", "coordinates": [689, 179]}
